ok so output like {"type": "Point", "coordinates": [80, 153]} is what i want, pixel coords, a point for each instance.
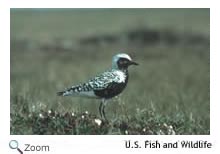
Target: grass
{"type": "Point", "coordinates": [167, 94]}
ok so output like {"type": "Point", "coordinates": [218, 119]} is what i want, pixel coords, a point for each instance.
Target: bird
{"type": "Point", "coordinates": [106, 85]}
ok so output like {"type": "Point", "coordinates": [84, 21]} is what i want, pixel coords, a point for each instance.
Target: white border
{"type": "Point", "coordinates": [109, 4]}
{"type": "Point", "coordinates": [104, 144]}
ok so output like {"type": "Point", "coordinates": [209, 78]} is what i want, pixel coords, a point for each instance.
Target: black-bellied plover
{"type": "Point", "coordinates": [106, 85]}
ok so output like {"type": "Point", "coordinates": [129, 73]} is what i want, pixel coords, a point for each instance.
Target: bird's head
{"type": "Point", "coordinates": [122, 61]}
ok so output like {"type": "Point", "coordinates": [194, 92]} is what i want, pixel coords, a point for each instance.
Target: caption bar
{"type": "Point", "coordinates": [184, 144]}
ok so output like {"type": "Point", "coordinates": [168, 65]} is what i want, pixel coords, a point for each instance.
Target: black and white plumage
{"type": "Point", "coordinates": [106, 85]}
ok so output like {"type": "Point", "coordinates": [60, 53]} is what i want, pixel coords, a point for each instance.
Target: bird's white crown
{"type": "Point", "coordinates": [117, 57]}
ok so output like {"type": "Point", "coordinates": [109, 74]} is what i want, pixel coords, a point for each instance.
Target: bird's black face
{"type": "Point", "coordinates": [123, 63]}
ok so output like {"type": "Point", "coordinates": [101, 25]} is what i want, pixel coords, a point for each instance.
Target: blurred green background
{"type": "Point", "coordinates": [52, 49]}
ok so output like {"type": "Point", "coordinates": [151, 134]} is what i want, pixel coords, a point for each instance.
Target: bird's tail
{"type": "Point", "coordinates": [60, 93]}
{"type": "Point", "coordinates": [65, 92]}
{"type": "Point", "coordinates": [71, 91]}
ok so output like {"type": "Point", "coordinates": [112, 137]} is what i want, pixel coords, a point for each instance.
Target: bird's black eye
{"type": "Point", "coordinates": [123, 63]}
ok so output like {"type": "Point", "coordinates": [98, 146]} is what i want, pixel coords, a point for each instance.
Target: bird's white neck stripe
{"type": "Point", "coordinates": [121, 75]}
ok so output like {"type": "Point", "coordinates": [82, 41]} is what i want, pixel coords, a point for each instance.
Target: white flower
{"type": "Point", "coordinates": [171, 131]}
{"type": "Point", "coordinates": [73, 114]}
{"type": "Point", "coordinates": [160, 132]}
{"type": "Point", "coordinates": [165, 124]}
{"type": "Point", "coordinates": [86, 112]}
{"type": "Point", "coordinates": [83, 116]}
{"type": "Point", "coordinates": [49, 111]}
{"type": "Point", "coordinates": [98, 122]}
{"type": "Point", "coordinates": [126, 132]}
{"type": "Point", "coordinates": [41, 115]}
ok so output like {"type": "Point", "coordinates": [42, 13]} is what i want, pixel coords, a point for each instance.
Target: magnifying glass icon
{"type": "Point", "coordinates": [13, 144]}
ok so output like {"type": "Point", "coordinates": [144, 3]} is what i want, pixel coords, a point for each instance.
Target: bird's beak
{"type": "Point", "coordinates": [133, 63]}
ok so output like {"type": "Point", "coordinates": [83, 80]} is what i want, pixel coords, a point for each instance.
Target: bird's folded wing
{"type": "Point", "coordinates": [104, 80]}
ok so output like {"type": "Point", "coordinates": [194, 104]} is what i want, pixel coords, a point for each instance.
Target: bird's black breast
{"type": "Point", "coordinates": [112, 90]}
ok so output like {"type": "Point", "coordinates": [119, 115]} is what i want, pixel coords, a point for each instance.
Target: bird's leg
{"type": "Point", "coordinates": [103, 109]}
{"type": "Point", "coordinates": [103, 112]}
{"type": "Point", "coordinates": [100, 109]}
